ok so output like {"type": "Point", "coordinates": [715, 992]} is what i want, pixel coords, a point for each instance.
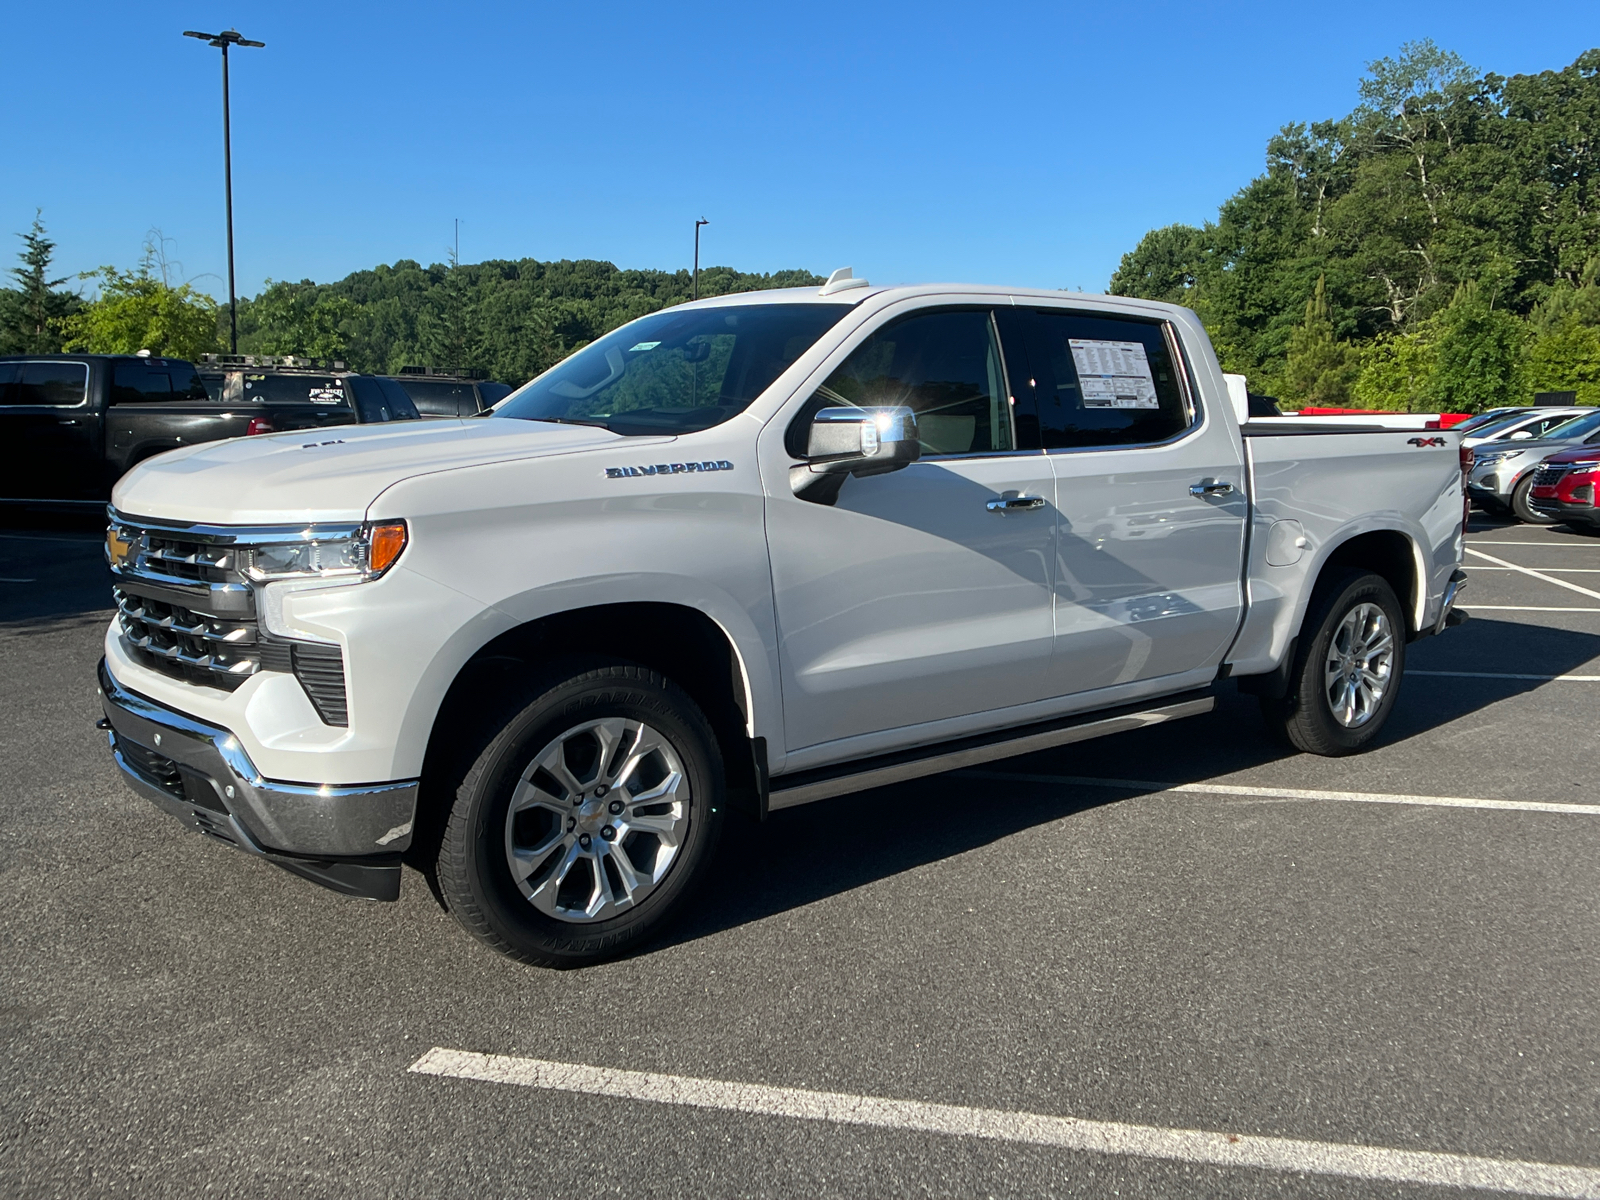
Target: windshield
{"type": "Point", "coordinates": [1497, 425]}
{"type": "Point", "coordinates": [1478, 424]}
{"type": "Point", "coordinates": [675, 371]}
{"type": "Point", "coordinates": [1574, 428]}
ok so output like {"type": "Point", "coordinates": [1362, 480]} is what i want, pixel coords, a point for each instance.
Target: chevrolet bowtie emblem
{"type": "Point", "coordinates": [117, 548]}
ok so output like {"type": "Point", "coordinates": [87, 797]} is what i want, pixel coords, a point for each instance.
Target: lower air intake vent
{"type": "Point", "coordinates": [320, 670]}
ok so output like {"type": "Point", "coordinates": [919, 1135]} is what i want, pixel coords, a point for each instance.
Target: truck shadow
{"type": "Point", "coordinates": [807, 854]}
{"type": "Point", "coordinates": [52, 570]}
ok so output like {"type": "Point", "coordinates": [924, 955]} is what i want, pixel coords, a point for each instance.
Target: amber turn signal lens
{"type": "Point", "coordinates": [386, 542]}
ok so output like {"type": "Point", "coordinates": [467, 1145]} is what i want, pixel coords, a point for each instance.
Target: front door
{"type": "Point", "coordinates": [1148, 573]}
{"type": "Point", "coordinates": [918, 596]}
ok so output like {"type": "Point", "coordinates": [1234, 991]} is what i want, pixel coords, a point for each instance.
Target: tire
{"type": "Point", "coordinates": [1354, 611]}
{"type": "Point", "coordinates": [587, 819]}
{"type": "Point", "coordinates": [1522, 509]}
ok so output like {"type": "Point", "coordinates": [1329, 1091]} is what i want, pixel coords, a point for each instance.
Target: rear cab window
{"type": "Point", "coordinates": [155, 381]}
{"type": "Point", "coordinates": [1101, 379]}
{"type": "Point", "coordinates": [436, 398]}
{"type": "Point", "coordinates": [324, 390]}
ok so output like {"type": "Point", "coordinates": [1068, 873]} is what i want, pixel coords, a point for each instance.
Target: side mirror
{"type": "Point", "coordinates": [1520, 435]}
{"type": "Point", "coordinates": [854, 441]}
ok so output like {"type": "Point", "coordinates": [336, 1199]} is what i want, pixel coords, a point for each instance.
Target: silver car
{"type": "Point", "coordinates": [1502, 471]}
{"type": "Point", "coordinates": [1518, 425]}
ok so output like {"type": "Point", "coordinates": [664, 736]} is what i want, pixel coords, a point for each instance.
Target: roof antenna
{"type": "Point", "coordinates": [842, 280]}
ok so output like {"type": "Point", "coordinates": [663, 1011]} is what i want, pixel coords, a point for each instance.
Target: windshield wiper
{"type": "Point", "coordinates": [568, 421]}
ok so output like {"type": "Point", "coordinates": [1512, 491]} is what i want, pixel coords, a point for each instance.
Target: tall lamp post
{"type": "Point", "coordinates": [228, 37]}
{"type": "Point", "coordinates": [697, 224]}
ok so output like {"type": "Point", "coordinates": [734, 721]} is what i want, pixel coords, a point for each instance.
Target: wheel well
{"type": "Point", "coordinates": [681, 643]}
{"type": "Point", "coordinates": [1384, 552]}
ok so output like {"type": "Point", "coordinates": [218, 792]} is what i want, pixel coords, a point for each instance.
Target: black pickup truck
{"type": "Point", "coordinates": [71, 424]}
{"type": "Point", "coordinates": [439, 393]}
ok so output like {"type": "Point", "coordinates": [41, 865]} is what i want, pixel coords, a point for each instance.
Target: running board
{"type": "Point", "coordinates": [806, 786]}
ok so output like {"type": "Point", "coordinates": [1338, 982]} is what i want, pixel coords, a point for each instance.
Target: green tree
{"type": "Point", "coordinates": [1566, 358]}
{"type": "Point", "coordinates": [1396, 373]}
{"type": "Point", "coordinates": [1479, 353]}
{"type": "Point", "coordinates": [1319, 370]}
{"type": "Point", "coordinates": [30, 314]}
{"type": "Point", "coordinates": [141, 310]}
{"type": "Point", "coordinates": [293, 319]}
{"type": "Point", "coordinates": [1162, 266]}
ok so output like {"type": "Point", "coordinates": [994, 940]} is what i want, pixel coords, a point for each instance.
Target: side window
{"type": "Point", "coordinates": [434, 398]}
{"type": "Point", "coordinates": [51, 384]}
{"type": "Point", "coordinates": [944, 364]}
{"type": "Point", "coordinates": [1104, 380]}
{"type": "Point", "coordinates": [399, 403]}
{"type": "Point", "coordinates": [135, 381]}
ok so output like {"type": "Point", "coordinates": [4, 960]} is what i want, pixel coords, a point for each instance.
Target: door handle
{"type": "Point", "coordinates": [1015, 503]}
{"type": "Point", "coordinates": [1211, 487]}
{"type": "Point", "coordinates": [66, 420]}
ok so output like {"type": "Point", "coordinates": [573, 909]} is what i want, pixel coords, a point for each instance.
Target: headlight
{"type": "Point", "coordinates": [363, 553]}
{"type": "Point", "coordinates": [1502, 456]}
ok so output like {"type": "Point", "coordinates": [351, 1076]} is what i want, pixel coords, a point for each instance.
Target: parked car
{"type": "Point", "coordinates": [441, 394]}
{"type": "Point", "coordinates": [1522, 425]}
{"type": "Point", "coordinates": [1502, 474]}
{"type": "Point", "coordinates": [71, 424]}
{"type": "Point", "coordinates": [1564, 487]}
{"type": "Point", "coordinates": [1489, 416]}
{"type": "Point", "coordinates": [756, 550]}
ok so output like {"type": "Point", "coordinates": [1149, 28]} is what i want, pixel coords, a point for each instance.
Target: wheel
{"type": "Point", "coordinates": [586, 820]}
{"type": "Point", "coordinates": [1346, 675]}
{"type": "Point", "coordinates": [1520, 506]}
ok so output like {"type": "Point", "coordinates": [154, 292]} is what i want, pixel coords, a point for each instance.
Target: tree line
{"type": "Point", "coordinates": [1436, 248]}
{"type": "Point", "coordinates": [510, 319]}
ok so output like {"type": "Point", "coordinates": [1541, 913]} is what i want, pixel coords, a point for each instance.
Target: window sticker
{"type": "Point", "coordinates": [638, 346]}
{"type": "Point", "coordinates": [1114, 374]}
{"type": "Point", "coordinates": [326, 395]}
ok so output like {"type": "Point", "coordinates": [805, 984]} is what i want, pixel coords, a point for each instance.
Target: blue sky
{"type": "Point", "coordinates": [1029, 144]}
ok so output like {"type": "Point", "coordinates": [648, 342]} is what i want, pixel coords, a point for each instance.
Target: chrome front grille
{"type": "Point", "coordinates": [1550, 474]}
{"type": "Point", "coordinates": [221, 652]}
{"type": "Point", "coordinates": [187, 610]}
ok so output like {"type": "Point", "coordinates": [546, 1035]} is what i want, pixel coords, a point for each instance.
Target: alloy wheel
{"type": "Point", "coordinates": [1360, 659]}
{"type": "Point", "coordinates": [597, 819]}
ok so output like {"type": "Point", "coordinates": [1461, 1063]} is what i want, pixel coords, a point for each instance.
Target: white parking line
{"type": "Point", "coordinates": [1526, 608]}
{"type": "Point", "coordinates": [1551, 570]}
{"type": "Point", "coordinates": [1500, 562]}
{"type": "Point", "coordinates": [1568, 545]}
{"type": "Point", "coordinates": [1034, 1129]}
{"type": "Point", "coordinates": [1278, 793]}
{"type": "Point", "coordinates": [1507, 675]}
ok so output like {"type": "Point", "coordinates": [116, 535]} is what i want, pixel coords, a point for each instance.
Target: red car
{"type": "Point", "coordinates": [1564, 487]}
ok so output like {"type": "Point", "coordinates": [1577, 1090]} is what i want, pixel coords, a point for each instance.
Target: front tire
{"type": "Point", "coordinates": [1520, 505]}
{"type": "Point", "coordinates": [586, 821]}
{"type": "Point", "coordinates": [1346, 675]}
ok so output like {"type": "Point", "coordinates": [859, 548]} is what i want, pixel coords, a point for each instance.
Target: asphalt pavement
{"type": "Point", "coordinates": [1309, 952]}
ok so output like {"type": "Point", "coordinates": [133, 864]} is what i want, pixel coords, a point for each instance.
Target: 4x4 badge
{"type": "Point", "coordinates": [1433, 441]}
{"type": "Point", "coordinates": [668, 469]}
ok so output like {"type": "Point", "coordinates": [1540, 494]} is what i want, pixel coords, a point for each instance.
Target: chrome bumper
{"type": "Point", "coordinates": [1447, 611]}
{"type": "Point", "coordinates": [345, 838]}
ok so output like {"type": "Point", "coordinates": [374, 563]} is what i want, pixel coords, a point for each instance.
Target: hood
{"type": "Point", "coordinates": [334, 473]}
{"type": "Point", "coordinates": [1537, 447]}
{"type": "Point", "coordinates": [1581, 454]}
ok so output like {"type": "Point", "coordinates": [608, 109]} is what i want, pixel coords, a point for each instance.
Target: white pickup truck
{"type": "Point", "coordinates": [753, 551]}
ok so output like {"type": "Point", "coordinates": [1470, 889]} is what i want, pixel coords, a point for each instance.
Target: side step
{"type": "Point", "coordinates": [787, 791]}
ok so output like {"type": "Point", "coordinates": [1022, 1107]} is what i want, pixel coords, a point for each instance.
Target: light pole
{"type": "Point", "coordinates": [697, 224]}
{"type": "Point", "coordinates": [228, 37]}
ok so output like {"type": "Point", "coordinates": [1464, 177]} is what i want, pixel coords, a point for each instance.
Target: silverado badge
{"type": "Point", "coordinates": [668, 469]}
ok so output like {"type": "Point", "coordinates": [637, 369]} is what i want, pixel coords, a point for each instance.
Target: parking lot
{"type": "Point", "coordinates": [1239, 971]}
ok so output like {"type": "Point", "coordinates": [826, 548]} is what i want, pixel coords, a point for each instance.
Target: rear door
{"type": "Point", "coordinates": [49, 432]}
{"type": "Point", "coordinates": [1148, 571]}
{"type": "Point", "coordinates": [918, 596]}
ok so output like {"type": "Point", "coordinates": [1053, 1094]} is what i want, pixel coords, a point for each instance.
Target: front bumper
{"type": "Point", "coordinates": [345, 838]}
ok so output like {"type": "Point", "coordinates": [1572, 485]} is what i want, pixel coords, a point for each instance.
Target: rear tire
{"type": "Point", "coordinates": [583, 825]}
{"type": "Point", "coordinates": [1346, 675]}
{"type": "Point", "coordinates": [1519, 503]}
